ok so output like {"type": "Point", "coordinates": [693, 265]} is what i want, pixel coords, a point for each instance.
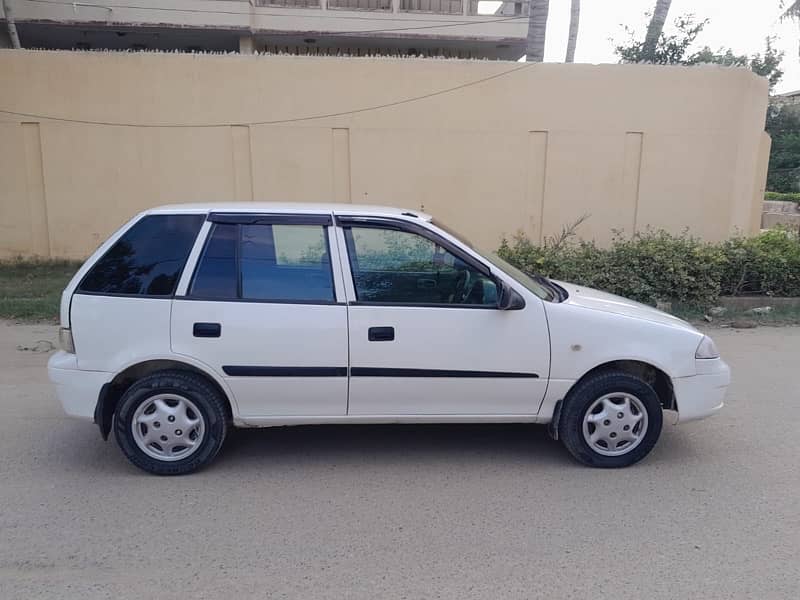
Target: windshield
{"type": "Point", "coordinates": [539, 285]}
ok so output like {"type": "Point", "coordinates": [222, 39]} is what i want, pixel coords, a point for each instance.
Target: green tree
{"type": "Point", "coordinates": [784, 155]}
{"type": "Point", "coordinates": [670, 49]}
{"type": "Point", "coordinates": [675, 49]}
{"type": "Point", "coordinates": [766, 65]}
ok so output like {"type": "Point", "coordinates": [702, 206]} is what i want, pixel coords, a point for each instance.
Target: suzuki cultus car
{"type": "Point", "coordinates": [193, 319]}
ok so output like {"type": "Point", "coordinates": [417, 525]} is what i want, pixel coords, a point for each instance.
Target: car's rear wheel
{"type": "Point", "coordinates": [170, 423]}
{"type": "Point", "coordinates": [611, 419]}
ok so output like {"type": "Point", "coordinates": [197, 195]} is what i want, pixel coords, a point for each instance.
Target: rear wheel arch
{"type": "Point", "coordinates": [112, 391]}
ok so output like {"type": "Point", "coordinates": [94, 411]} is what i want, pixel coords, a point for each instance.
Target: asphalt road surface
{"type": "Point", "coordinates": [374, 512]}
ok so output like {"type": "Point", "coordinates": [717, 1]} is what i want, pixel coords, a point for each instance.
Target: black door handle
{"type": "Point", "coordinates": [380, 334]}
{"type": "Point", "coordinates": [207, 330]}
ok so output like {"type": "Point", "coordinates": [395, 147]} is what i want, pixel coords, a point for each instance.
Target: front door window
{"type": "Point", "coordinates": [393, 266]}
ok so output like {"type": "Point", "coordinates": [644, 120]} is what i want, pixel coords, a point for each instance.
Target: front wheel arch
{"type": "Point", "coordinates": [633, 397]}
{"type": "Point", "coordinates": [660, 381]}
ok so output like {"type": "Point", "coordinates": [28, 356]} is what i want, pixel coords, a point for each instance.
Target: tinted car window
{"type": "Point", "coordinates": [216, 275]}
{"type": "Point", "coordinates": [269, 262]}
{"type": "Point", "coordinates": [406, 268]}
{"type": "Point", "coordinates": [148, 259]}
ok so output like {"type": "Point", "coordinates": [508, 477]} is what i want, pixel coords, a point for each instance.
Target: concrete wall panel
{"type": "Point", "coordinates": [491, 147]}
{"type": "Point", "coordinates": [292, 164]}
{"type": "Point", "coordinates": [98, 177]}
{"type": "Point", "coordinates": [15, 213]}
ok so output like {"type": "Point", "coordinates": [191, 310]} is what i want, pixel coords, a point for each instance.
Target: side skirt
{"type": "Point", "coordinates": [245, 421]}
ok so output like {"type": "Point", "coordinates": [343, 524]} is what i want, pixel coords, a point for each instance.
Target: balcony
{"type": "Point", "coordinates": [439, 28]}
{"type": "Point", "coordinates": [289, 3]}
{"type": "Point", "coordinates": [361, 4]}
{"type": "Point", "coordinates": [439, 7]}
{"type": "Point", "coordinates": [498, 8]}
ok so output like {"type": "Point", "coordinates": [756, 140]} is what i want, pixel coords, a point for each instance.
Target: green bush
{"type": "Point", "coordinates": [767, 264]}
{"type": "Point", "coordinates": [657, 266]}
{"type": "Point", "coordinates": [783, 196]}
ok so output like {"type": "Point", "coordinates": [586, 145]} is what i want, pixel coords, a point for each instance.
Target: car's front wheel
{"type": "Point", "coordinates": [611, 419]}
{"type": "Point", "coordinates": [170, 423]}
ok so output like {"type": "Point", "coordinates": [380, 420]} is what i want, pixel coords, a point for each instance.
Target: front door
{"type": "Point", "coordinates": [261, 310]}
{"type": "Point", "coordinates": [426, 336]}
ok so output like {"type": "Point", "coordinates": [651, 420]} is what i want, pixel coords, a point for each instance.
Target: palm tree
{"type": "Point", "coordinates": [790, 11]}
{"type": "Point", "coordinates": [10, 24]}
{"type": "Point", "coordinates": [537, 30]}
{"type": "Point", "coordinates": [574, 20]}
{"type": "Point", "coordinates": [655, 27]}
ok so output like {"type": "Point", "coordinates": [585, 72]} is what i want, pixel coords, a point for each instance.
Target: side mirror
{"type": "Point", "coordinates": [509, 298]}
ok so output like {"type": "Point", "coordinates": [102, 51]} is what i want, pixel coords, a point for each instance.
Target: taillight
{"type": "Point", "coordinates": [65, 340]}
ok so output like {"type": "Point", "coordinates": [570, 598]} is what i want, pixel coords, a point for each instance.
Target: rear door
{"type": "Point", "coordinates": [262, 310]}
{"type": "Point", "coordinates": [426, 335]}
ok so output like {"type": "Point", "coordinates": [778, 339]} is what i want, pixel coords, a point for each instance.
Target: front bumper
{"type": "Point", "coordinates": [702, 395]}
{"type": "Point", "coordinates": [76, 390]}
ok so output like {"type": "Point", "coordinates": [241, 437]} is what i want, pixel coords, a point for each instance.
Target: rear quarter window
{"type": "Point", "coordinates": [147, 260]}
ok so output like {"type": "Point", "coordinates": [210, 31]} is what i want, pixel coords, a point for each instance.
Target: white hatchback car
{"type": "Point", "coordinates": [194, 318]}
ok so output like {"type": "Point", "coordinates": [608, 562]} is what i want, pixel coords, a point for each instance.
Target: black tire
{"type": "Point", "coordinates": [195, 388]}
{"type": "Point", "coordinates": [579, 401]}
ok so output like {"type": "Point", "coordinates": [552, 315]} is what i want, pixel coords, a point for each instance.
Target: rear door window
{"type": "Point", "coordinates": [147, 260]}
{"type": "Point", "coordinates": [266, 262]}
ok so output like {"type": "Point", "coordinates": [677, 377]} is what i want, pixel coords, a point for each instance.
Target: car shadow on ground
{"type": "Point", "coordinates": [395, 444]}
{"type": "Point", "coordinates": [78, 448]}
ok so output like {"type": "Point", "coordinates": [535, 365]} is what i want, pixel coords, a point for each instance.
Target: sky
{"type": "Point", "coordinates": [738, 24]}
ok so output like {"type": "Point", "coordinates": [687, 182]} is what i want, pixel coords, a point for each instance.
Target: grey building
{"type": "Point", "coordinates": [450, 28]}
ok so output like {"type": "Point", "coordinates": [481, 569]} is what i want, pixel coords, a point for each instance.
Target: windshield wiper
{"type": "Point", "coordinates": [557, 291]}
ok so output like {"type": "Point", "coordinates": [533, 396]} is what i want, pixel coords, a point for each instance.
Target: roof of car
{"type": "Point", "coordinates": [290, 207]}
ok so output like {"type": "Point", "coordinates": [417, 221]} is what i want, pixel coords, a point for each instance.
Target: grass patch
{"type": "Point", "coordinates": [783, 196]}
{"type": "Point", "coordinates": [784, 315]}
{"type": "Point", "coordinates": [30, 290]}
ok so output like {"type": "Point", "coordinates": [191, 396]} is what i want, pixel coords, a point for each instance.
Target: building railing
{"type": "Point", "coordinates": [500, 8]}
{"type": "Point", "coordinates": [361, 4]}
{"type": "Point", "coordinates": [440, 7]}
{"type": "Point", "coordinates": [289, 3]}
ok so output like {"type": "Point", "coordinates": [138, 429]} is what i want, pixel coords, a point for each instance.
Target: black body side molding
{"type": "Point", "coordinates": [259, 371]}
{"type": "Point", "coordinates": [247, 371]}
{"type": "Point", "coordinates": [381, 372]}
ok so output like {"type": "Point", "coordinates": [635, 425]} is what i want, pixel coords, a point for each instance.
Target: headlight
{"type": "Point", "coordinates": [65, 339]}
{"type": "Point", "coordinates": [706, 349]}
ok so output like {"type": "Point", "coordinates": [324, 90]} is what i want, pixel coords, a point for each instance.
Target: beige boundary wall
{"type": "Point", "coordinates": [529, 150]}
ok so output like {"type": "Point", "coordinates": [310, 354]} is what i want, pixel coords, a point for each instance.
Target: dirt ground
{"type": "Point", "coordinates": [468, 511]}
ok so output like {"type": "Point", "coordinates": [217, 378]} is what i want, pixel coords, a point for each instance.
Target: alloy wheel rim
{"type": "Point", "coordinates": [615, 424]}
{"type": "Point", "coordinates": [168, 427]}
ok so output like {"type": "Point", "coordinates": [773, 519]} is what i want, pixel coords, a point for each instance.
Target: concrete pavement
{"type": "Point", "coordinates": [370, 512]}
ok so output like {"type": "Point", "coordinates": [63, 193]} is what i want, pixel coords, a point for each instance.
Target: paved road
{"type": "Point", "coordinates": [407, 511]}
